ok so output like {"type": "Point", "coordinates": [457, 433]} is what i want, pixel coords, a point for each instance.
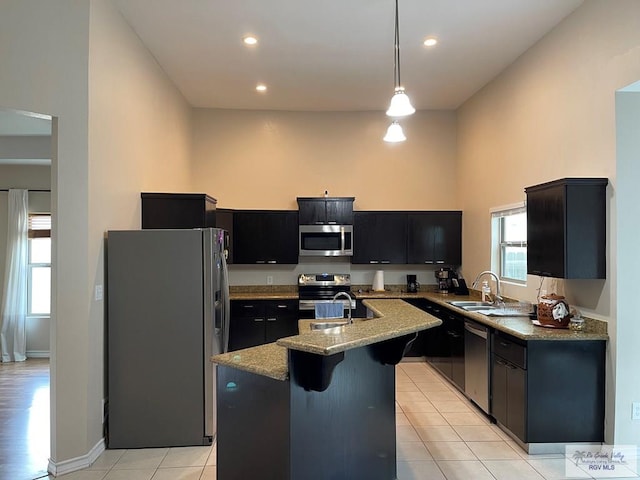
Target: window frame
{"type": "Point", "coordinates": [499, 244]}
{"type": "Point", "coordinates": [39, 227]}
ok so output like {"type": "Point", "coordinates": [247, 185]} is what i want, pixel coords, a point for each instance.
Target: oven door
{"type": "Point", "coordinates": [326, 240]}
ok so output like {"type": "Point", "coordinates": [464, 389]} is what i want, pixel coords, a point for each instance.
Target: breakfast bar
{"type": "Point", "coordinates": [316, 405]}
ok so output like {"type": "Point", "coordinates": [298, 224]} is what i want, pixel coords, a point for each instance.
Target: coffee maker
{"type": "Point", "coordinates": [445, 277]}
{"type": "Point", "coordinates": [412, 284]}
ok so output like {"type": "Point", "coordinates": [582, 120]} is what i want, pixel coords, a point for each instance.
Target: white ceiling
{"type": "Point", "coordinates": [336, 54]}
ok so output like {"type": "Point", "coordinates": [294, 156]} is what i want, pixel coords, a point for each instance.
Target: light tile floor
{"type": "Point", "coordinates": [440, 436]}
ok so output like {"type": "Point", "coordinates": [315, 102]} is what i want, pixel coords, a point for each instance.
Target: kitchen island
{"type": "Point", "coordinates": [316, 405]}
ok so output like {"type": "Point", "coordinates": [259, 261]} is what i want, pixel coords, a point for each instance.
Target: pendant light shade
{"type": "Point", "coordinates": [400, 105]}
{"type": "Point", "coordinates": [394, 133]}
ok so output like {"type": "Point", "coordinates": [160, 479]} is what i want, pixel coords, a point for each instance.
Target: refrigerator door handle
{"type": "Point", "coordinates": [226, 306]}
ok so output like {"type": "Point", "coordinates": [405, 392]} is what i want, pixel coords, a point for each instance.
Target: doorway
{"type": "Point", "coordinates": [25, 412]}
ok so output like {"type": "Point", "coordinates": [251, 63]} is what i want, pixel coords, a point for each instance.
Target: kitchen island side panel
{"type": "Point", "coordinates": [253, 426]}
{"type": "Point", "coordinates": [348, 430]}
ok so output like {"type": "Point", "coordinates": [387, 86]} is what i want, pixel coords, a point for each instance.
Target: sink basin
{"type": "Point", "coordinates": [333, 326]}
{"type": "Point", "coordinates": [491, 310]}
{"type": "Point", "coordinates": [328, 327]}
{"type": "Point", "coordinates": [469, 303]}
{"type": "Point", "coordinates": [477, 308]}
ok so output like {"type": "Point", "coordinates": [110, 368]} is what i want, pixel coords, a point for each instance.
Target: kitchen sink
{"type": "Point", "coordinates": [328, 327]}
{"type": "Point", "coordinates": [469, 303]}
{"type": "Point", "coordinates": [333, 326]}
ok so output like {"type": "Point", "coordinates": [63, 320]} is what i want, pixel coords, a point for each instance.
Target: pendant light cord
{"type": "Point", "coordinates": [396, 66]}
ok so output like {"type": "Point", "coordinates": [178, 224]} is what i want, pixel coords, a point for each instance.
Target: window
{"type": "Point", "coordinates": [39, 280]}
{"type": "Point", "coordinates": [509, 243]}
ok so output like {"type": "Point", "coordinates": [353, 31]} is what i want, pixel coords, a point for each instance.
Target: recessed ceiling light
{"type": "Point", "coordinates": [249, 40]}
{"type": "Point", "coordinates": [430, 41]}
{"type": "Point", "coordinates": [261, 87]}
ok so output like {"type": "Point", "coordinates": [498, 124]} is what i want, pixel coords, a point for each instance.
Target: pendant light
{"type": "Point", "coordinates": [394, 133]}
{"type": "Point", "coordinates": [400, 105]}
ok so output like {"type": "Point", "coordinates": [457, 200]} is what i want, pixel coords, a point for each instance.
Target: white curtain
{"type": "Point", "coordinates": [13, 343]}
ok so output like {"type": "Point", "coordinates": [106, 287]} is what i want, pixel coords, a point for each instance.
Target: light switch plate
{"type": "Point", "coordinates": [269, 279]}
{"type": "Point", "coordinates": [635, 411]}
{"type": "Point", "coordinates": [99, 294]}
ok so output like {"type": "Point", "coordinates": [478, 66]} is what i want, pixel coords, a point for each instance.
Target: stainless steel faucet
{"type": "Point", "coordinates": [345, 294]}
{"type": "Point", "coordinates": [497, 299]}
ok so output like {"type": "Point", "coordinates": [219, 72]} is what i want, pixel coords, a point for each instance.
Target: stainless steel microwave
{"type": "Point", "coordinates": [326, 240]}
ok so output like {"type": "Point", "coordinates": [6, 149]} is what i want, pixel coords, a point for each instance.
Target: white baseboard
{"type": "Point", "coordinates": [78, 463]}
{"type": "Point", "coordinates": [38, 354]}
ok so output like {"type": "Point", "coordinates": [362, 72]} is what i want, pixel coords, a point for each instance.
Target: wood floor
{"type": "Point", "coordinates": [24, 419]}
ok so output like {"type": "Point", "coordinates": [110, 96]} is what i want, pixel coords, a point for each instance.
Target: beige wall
{"type": "Point", "coordinates": [44, 69]}
{"type": "Point", "coordinates": [138, 140]}
{"type": "Point", "coordinates": [552, 115]}
{"type": "Point", "coordinates": [134, 139]}
{"type": "Point", "coordinates": [265, 159]}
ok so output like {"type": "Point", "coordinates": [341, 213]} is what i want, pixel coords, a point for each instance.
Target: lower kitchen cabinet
{"type": "Point", "coordinates": [255, 322]}
{"type": "Point", "coordinates": [443, 346]}
{"type": "Point", "coordinates": [508, 385]}
{"type": "Point", "coordinates": [549, 391]}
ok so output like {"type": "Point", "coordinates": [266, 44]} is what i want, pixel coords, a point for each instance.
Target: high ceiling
{"type": "Point", "coordinates": [336, 54]}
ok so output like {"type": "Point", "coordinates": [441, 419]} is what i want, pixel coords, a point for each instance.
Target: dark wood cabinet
{"type": "Point", "coordinates": [380, 237]}
{"type": "Point", "coordinates": [443, 346]}
{"type": "Point", "coordinates": [255, 322]}
{"type": "Point", "coordinates": [265, 236]}
{"type": "Point", "coordinates": [508, 384]}
{"type": "Point", "coordinates": [224, 220]}
{"type": "Point", "coordinates": [533, 382]}
{"type": "Point", "coordinates": [323, 211]}
{"type": "Point", "coordinates": [178, 210]}
{"type": "Point", "coordinates": [434, 238]}
{"type": "Point", "coordinates": [566, 228]}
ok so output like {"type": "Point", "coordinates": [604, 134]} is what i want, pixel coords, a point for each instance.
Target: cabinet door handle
{"type": "Point", "coordinates": [258, 319]}
{"type": "Point", "coordinates": [385, 261]}
{"type": "Point", "coordinates": [247, 306]}
{"type": "Point", "coordinates": [272, 319]}
{"type": "Point", "coordinates": [504, 344]}
{"type": "Point", "coordinates": [272, 261]}
{"type": "Point", "coordinates": [501, 362]}
{"type": "Point", "coordinates": [428, 262]}
{"type": "Point", "coordinates": [439, 261]}
{"type": "Point", "coordinates": [373, 261]}
{"type": "Point", "coordinates": [260, 261]}
{"type": "Point", "coordinates": [282, 306]}
{"type": "Point", "coordinates": [331, 222]}
{"type": "Point", "coordinates": [318, 222]}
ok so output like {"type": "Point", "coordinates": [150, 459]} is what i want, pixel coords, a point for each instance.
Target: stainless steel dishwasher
{"type": "Point", "coordinates": [477, 364]}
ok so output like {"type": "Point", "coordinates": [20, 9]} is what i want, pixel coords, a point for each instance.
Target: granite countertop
{"type": "Point", "coordinates": [520, 327]}
{"type": "Point", "coordinates": [264, 292]}
{"type": "Point", "coordinates": [394, 318]}
{"type": "Point", "coordinates": [269, 360]}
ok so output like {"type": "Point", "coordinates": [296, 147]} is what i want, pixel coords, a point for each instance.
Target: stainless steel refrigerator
{"type": "Point", "coordinates": [168, 312]}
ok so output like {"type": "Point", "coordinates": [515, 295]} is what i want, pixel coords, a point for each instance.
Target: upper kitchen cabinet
{"type": "Point", "coordinates": [224, 220]}
{"type": "Point", "coordinates": [379, 237]}
{"type": "Point", "coordinates": [178, 210]}
{"type": "Point", "coordinates": [325, 211]}
{"type": "Point", "coordinates": [434, 238]}
{"type": "Point", "coordinates": [265, 236]}
{"type": "Point", "coordinates": [566, 228]}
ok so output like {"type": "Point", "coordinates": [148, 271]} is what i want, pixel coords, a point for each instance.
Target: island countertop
{"type": "Point", "coordinates": [394, 318]}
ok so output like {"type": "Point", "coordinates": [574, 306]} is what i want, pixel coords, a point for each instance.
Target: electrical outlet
{"type": "Point", "coordinates": [635, 411]}
{"type": "Point", "coordinates": [99, 293]}
{"type": "Point", "coordinates": [269, 279]}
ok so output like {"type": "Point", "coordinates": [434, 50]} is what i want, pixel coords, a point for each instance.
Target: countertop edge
{"type": "Point", "coordinates": [388, 323]}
